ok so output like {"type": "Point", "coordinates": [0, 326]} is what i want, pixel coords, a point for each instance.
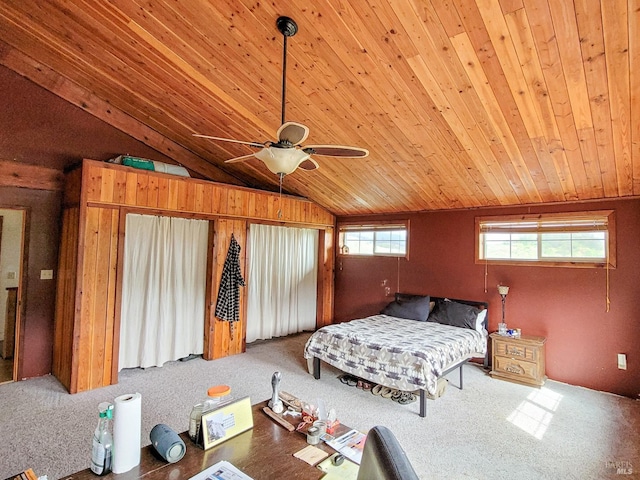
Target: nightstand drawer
{"type": "Point", "coordinates": [517, 367]}
{"type": "Point", "coordinates": [510, 349]}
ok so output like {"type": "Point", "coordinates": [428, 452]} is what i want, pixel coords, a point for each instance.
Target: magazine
{"type": "Point", "coordinates": [222, 470]}
{"type": "Point", "coordinates": [350, 445]}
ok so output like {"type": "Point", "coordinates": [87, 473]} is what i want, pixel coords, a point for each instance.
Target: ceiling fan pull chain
{"type": "Point", "coordinates": [281, 177]}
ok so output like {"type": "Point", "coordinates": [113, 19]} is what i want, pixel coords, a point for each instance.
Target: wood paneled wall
{"type": "Point", "coordinates": [326, 277]}
{"type": "Point", "coordinates": [63, 332]}
{"type": "Point", "coordinates": [115, 185]}
{"type": "Point", "coordinates": [97, 199]}
{"type": "Point", "coordinates": [222, 339]}
{"type": "Point", "coordinates": [97, 279]}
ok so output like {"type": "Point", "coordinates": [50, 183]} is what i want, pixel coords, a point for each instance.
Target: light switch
{"type": "Point", "coordinates": [622, 361]}
{"type": "Point", "coordinates": [46, 274]}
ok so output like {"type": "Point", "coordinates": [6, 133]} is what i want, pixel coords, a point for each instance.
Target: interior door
{"type": "Point", "coordinates": [11, 268]}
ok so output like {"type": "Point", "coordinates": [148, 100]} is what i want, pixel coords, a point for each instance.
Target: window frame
{"type": "Point", "coordinates": [605, 216]}
{"type": "Point", "coordinates": [373, 226]}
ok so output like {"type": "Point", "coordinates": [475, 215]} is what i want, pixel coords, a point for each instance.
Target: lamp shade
{"type": "Point", "coordinates": [503, 289]}
{"type": "Point", "coordinates": [282, 160]}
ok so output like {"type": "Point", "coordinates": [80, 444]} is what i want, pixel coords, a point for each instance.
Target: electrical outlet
{"type": "Point", "coordinates": [11, 275]}
{"type": "Point", "coordinates": [622, 361]}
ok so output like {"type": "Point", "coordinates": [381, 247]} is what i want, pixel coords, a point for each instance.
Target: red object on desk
{"type": "Point", "coordinates": [331, 426]}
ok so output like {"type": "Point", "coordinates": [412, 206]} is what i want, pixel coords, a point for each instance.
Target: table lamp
{"type": "Point", "coordinates": [503, 290]}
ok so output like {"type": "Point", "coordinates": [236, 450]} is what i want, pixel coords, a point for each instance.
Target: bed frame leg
{"type": "Point", "coordinates": [423, 403]}
{"type": "Point", "coordinates": [316, 368]}
{"type": "Point", "coordinates": [461, 376]}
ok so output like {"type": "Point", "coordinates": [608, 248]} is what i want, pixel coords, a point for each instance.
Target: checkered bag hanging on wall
{"type": "Point", "coordinates": [228, 303]}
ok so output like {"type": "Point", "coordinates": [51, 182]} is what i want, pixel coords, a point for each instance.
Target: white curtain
{"type": "Point", "coordinates": [282, 281]}
{"type": "Point", "coordinates": [163, 290]}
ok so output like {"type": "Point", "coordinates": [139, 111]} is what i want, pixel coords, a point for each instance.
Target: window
{"type": "Point", "coordinates": [582, 239]}
{"type": "Point", "coordinates": [380, 239]}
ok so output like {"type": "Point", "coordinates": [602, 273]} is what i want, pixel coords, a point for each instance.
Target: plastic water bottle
{"type": "Point", "coordinates": [215, 396]}
{"type": "Point", "coordinates": [101, 454]}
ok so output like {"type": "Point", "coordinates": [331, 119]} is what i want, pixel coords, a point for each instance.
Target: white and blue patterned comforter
{"type": "Point", "coordinates": [395, 352]}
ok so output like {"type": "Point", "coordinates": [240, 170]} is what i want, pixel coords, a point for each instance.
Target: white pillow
{"type": "Point", "coordinates": [479, 319]}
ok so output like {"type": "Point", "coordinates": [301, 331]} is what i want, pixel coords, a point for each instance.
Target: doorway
{"type": "Point", "coordinates": [11, 268]}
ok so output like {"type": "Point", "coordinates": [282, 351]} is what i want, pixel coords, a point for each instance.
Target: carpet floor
{"type": "Point", "coordinates": [491, 429]}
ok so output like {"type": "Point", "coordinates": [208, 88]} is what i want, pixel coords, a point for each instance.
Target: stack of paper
{"type": "Point", "coordinates": [350, 445]}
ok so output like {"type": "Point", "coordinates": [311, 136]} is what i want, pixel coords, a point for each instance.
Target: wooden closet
{"type": "Point", "coordinates": [97, 198]}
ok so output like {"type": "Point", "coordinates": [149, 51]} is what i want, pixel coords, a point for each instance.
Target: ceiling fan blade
{"type": "Point", "coordinates": [309, 164]}
{"type": "Point", "coordinates": [240, 159]}
{"type": "Point", "coordinates": [253, 144]}
{"type": "Point", "coordinates": [336, 151]}
{"type": "Point", "coordinates": [293, 133]}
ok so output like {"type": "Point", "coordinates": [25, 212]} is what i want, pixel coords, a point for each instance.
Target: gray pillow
{"type": "Point", "coordinates": [414, 308]}
{"type": "Point", "coordinates": [456, 314]}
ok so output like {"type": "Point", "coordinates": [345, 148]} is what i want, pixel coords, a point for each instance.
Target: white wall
{"type": "Point", "coordinates": [9, 256]}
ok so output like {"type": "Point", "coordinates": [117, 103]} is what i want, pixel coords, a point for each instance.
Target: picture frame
{"type": "Point", "coordinates": [225, 422]}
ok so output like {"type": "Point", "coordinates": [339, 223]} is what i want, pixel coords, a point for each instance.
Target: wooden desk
{"type": "Point", "coordinates": [265, 451]}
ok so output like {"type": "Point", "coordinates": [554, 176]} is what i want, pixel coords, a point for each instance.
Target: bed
{"type": "Point", "coordinates": [416, 340]}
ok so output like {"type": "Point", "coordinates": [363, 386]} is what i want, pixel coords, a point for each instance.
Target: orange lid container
{"type": "Point", "coordinates": [218, 391]}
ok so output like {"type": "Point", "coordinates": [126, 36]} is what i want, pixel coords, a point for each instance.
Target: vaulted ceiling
{"type": "Point", "coordinates": [462, 103]}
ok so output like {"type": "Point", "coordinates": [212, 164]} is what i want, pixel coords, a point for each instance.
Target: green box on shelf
{"type": "Point", "coordinates": [135, 162]}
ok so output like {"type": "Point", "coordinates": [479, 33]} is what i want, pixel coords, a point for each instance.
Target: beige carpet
{"type": "Point", "coordinates": [490, 430]}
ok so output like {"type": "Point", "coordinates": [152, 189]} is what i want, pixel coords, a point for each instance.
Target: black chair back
{"type": "Point", "coordinates": [383, 458]}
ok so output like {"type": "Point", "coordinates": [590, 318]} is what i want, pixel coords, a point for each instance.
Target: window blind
{"type": "Point", "coordinates": [553, 225]}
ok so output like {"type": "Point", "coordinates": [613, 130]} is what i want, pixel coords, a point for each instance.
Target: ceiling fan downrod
{"type": "Point", "coordinates": [288, 27]}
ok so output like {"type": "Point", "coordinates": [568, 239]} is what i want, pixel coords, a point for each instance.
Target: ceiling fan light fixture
{"type": "Point", "coordinates": [286, 154]}
{"type": "Point", "coordinates": [282, 161]}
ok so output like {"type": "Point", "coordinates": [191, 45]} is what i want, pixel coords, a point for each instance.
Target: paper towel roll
{"type": "Point", "coordinates": [127, 425]}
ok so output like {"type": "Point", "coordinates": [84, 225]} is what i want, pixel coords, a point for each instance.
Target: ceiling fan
{"type": "Point", "coordinates": [284, 155]}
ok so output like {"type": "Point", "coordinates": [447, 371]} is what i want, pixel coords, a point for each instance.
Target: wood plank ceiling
{"type": "Point", "coordinates": [462, 103]}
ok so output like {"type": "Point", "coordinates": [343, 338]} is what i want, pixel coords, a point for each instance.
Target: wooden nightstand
{"type": "Point", "coordinates": [518, 359]}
